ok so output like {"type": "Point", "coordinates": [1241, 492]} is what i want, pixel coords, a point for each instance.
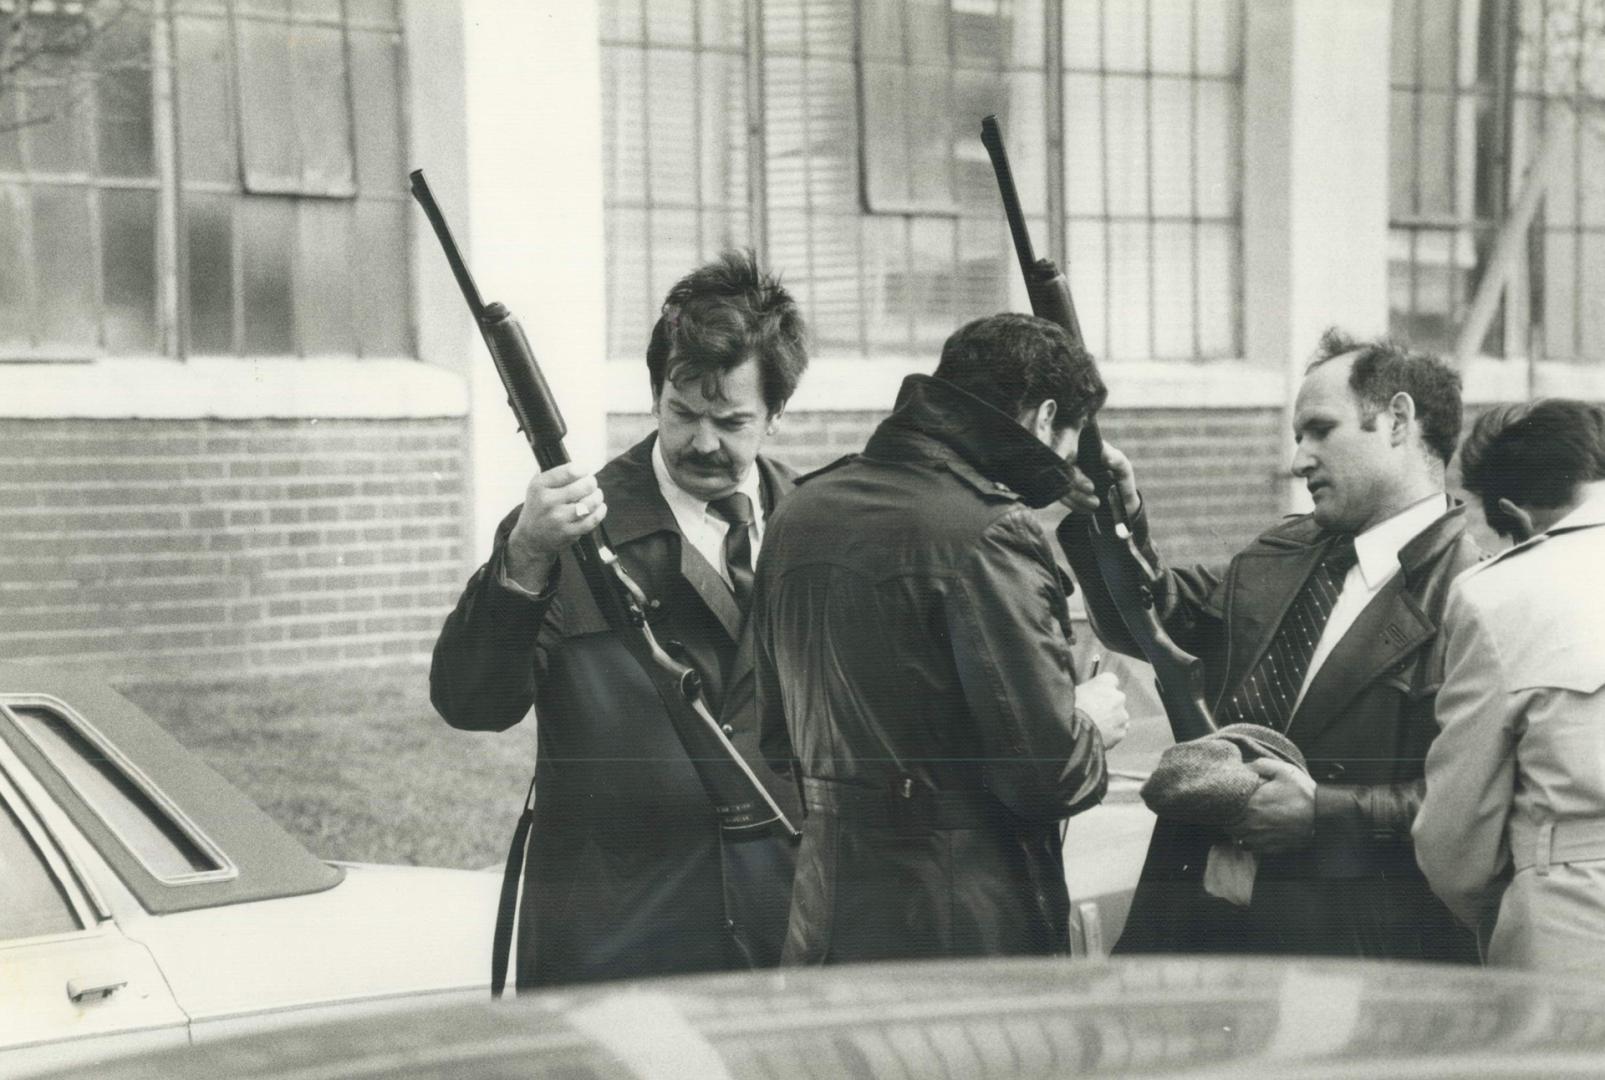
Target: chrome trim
{"type": "Point", "coordinates": [227, 870]}
{"type": "Point", "coordinates": [56, 861]}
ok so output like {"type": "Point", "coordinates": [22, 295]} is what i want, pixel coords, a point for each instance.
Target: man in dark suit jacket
{"type": "Point", "coordinates": [1324, 628]}
{"type": "Point", "coordinates": [627, 874]}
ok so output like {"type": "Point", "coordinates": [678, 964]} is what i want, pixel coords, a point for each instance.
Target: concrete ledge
{"type": "Point", "coordinates": [846, 385]}
{"type": "Point", "coordinates": [230, 389]}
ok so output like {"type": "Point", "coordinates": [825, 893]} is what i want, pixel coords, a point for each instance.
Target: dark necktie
{"type": "Point", "coordinates": [736, 510]}
{"type": "Point", "coordinates": [1268, 694]}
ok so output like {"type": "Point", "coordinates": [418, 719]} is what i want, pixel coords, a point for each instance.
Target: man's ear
{"type": "Point", "coordinates": [1401, 416]}
{"type": "Point", "coordinates": [1525, 529]}
{"type": "Point", "coordinates": [1042, 419]}
{"type": "Point", "coordinates": [774, 420]}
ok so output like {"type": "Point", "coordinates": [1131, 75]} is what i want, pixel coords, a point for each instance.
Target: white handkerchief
{"type": "Point", "coordinates": [1229, 873]}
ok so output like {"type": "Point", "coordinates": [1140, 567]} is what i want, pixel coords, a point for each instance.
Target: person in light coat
{"type": "Point", "coordinates": [1511, 833]}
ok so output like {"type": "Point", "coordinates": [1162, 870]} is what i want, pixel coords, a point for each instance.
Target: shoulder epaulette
{"type": "Point", "coordinates": [1501, 556]}
{"type": "Point", "coordinates": [994, 490]}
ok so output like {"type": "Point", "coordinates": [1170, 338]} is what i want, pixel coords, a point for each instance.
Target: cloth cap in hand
{"type": "Point", "coordinates": [1207, 781]}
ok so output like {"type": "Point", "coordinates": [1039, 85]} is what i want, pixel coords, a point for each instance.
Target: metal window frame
{"type": "Point", "coordinates": [87, 906]}
{"type": "Point", "coordinates": [639, 42]}
{"type": "Point", "coordinates": [1194, 219]}
{"type": "Point", "coordinates": [171, 287]}
{"type": "Point", "coordinates": [87, 108]}
{"type": "Point", "coordinates": [160, 802]}
{"type": "Point", "coordinates": [1520, 328]}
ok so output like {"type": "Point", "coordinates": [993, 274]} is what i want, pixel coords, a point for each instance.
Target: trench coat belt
{"type": "Point", "coordinates": [903, 804]}
{"type": "Point", "coordinates": [1572, 840]}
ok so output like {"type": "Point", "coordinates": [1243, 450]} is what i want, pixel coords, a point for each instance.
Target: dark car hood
{"type": "Point", "coordinates": [1030, 1018]}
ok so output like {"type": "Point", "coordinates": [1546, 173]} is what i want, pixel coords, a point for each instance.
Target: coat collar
{"type": "Point", "coordinates": [935, 419]}
{"type": "Point", "coordinates": [636, 509]}
{"type": "Point", "coordinates": [1385, 633]}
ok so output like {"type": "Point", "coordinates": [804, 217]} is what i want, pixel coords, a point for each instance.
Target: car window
{"type": "Point", "coordinates": [34, 901]}
{"type": "Point", "coordinates": [146, 827]}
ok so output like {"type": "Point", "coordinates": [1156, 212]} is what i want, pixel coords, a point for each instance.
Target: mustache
{"type": "Point", "coordinates": [703, 461]}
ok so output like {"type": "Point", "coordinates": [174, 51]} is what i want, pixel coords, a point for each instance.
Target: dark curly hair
{"type": "Point", "coordinates": [720, 315]}
{"type": "Point", "coordinates": [1016, 362]}
{"type": "Point", "coordinates": [1533, 453]}
{"type": "Point", "coordinates": [1385, 367]}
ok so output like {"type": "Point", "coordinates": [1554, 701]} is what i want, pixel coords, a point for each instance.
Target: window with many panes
{"type": "Point", "coordinates": [1479, 88]}
{"type": "Point", "coordinates": [1153, 152]}
{"type": "Point", "coordinates": [215, 177]}
{"type": "Point", "coordinates": [857, 125]}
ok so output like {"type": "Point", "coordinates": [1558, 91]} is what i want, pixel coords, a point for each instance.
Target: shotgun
{"type": "Point", "coordinates": [1128, 577]}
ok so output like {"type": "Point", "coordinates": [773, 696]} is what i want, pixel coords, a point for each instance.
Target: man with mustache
{"type": "Point", "coordinates": [626, 873]}
{"type": "Point", "coordinates": [1326, 629]}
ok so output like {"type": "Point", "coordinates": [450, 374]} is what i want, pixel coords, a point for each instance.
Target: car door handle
{"type": "Point", "coordinates": [86, 991]}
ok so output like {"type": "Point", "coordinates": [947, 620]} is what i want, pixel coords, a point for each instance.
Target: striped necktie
{"type": "Point", "coordinates": [1267, 695]}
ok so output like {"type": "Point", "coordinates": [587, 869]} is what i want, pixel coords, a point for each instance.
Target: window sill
{"type": "Point", "coordinates": [231, 388]}
{"type": "Point", "coordinates": [836, 384]}
{"type": "Point", "coordinates": [1491, 381]}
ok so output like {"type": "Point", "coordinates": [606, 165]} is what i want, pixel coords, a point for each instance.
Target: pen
{"type": "Point", "coordinates": [1097, 660]}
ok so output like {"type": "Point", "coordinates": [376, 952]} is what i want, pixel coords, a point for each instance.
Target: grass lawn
{"type": "Point", "coordinates": [356, 764]}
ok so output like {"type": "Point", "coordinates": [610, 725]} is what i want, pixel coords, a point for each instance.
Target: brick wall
{"type": "Point", "coordinates": [202, 547]}
{"type": "Point", "coordinates": [1211, 478]}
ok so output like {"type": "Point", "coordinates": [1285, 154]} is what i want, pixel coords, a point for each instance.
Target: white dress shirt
{"type": "Point", "coordinates": [1377, 560]}
{"type": "Point", "coordinates": [701, 528]}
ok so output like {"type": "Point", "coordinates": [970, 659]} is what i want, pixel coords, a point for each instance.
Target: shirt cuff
{"type": "Point", "coordinates": [501, 578]}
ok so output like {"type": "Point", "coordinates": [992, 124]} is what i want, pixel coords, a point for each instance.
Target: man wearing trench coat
{"type": "Point", "coordinates": [1375, 427]}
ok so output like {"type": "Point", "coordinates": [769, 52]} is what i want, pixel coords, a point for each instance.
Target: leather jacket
{"type": "Point", "coordinates": [913, 648]}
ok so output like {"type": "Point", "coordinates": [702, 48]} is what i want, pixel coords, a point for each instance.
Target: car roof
{"type": "Point", "coordinates": [1042, 1017]}
{"type": "Point", "coordinates": [262, 860]}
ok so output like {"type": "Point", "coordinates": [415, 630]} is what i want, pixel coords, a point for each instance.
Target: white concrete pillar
{"type": "Point", "coordinates": [534, 140]}
{"type": "Point", "coordinates": [1315, 186]}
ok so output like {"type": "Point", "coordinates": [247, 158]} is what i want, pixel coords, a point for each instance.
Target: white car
{"type": "Point", "coordinates": [144, 902]}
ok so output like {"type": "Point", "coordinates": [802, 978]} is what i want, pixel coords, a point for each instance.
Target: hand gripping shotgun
{"type": "Point", "coordinates": [1127, 576]}
{"type": "Point", "coordinates": [743, 804]}
{"type": "Point", "coordinates": [745, 807]}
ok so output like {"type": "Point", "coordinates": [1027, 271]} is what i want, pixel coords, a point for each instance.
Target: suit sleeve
{"type": "Point", "coordinates": [1460, 838]}
{"type": "Point", "coordinates": [1008, 622]}
{"type": "Point", "coordinates": [492, 646]}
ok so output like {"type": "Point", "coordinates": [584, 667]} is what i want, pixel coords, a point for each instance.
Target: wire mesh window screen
{"type": "Point", "coordinates": [880, 207]}
{"type": "Point", "coordinates": [220, 178]}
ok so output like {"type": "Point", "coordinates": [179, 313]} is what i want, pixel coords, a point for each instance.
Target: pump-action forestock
{"type": "Point", "coordinates": [1127, 576]}
{"type": "Point", "coordinates": [745, 807]}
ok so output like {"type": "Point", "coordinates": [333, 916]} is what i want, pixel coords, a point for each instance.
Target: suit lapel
{"type": "Point", "coordinates": [708, 584]}
{"type": "Point", "coordinates": [1264, 585]}
{"type": "Point", "coordinates": [636, 508]}
{"type": "Point", "coordinates": [1390, 628]}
